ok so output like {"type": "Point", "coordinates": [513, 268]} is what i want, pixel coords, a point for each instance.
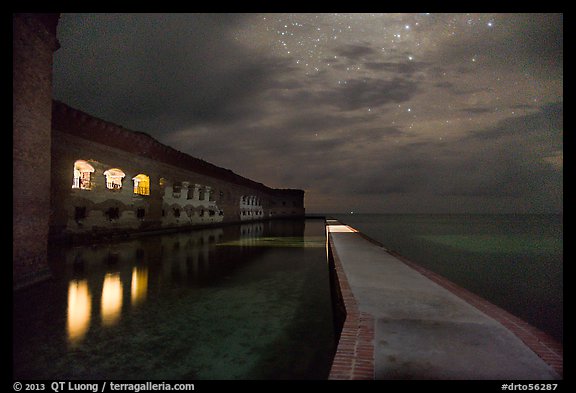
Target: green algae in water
{"type": "Point", "coordinates": [498, 243]}
{"type": "Point", "coordinates": [298, 242]}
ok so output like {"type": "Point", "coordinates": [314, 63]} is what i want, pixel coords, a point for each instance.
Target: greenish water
{"type": "Point", "coordinates": [514, 261]}
{"type": "Point", "coordinates": [238, 302]}
{"type": "Point", "coordinates": [497, 244]}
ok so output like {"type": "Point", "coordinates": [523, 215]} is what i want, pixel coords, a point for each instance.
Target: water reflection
{"type": "Point", "coordinates": [111, 299]}
{"type": "Point", "coordinates": [129, 269]}
{"type": "Point", "coordinates": [79, 308]}
{"type": "Point", "coordinates": [139, 284]}
{"type": "Point", "coordinates": [214, 311]}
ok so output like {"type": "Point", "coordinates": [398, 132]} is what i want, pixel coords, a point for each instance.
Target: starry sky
{"type": "Point", "coordinates": [371, 113]}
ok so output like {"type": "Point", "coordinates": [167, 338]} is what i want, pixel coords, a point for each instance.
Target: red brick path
{"type": "Point", "coordinates": [354, 357]}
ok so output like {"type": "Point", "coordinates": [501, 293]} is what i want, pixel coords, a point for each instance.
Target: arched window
{"type": "Point", "coordinates": [114, 178]}
{"type": "Point", "coordinates": [141, 184]}
{"type": "Point", "coordinates": [82, 171]}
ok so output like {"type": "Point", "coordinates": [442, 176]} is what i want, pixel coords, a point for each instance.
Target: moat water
{"type": "Point", "coordinates": [238, 302]}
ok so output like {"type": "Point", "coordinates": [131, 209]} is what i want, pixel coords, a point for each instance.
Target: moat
{"type": "Point", "coordinates": [248, 301]}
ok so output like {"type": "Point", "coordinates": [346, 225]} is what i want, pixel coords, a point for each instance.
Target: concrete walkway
{"type": "Point", "coordinates": [422, 330]}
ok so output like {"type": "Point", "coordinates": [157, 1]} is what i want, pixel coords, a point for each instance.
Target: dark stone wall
{"type": "Point", "coordinates": [34, 42]}
{"type": "Point", "coordinates": [159, 205]}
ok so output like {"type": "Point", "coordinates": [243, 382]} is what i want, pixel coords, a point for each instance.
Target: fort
{"type": "Point", "coordinates": [109, 180]}
{"type": "Point", "coordinates": [77, 177]}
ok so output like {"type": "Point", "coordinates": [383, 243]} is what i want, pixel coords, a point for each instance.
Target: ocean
{"type": "Point", "coordinates": [513, 261]}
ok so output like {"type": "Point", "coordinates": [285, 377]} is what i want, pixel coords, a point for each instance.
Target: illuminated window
{"type": "Point", "coordinates": [141, 184]}
{"type": "Point", "coordinates": [114, 178]}
{"type": "Point", "coordinates": [82, 171]}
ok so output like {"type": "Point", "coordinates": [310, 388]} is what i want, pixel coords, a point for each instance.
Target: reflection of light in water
{"type": "Point", "coordinates": [139, 284]}
{"type": "Point", "coordinates": [111, 298]}
{"type": "Point", "coordinates": [79, 306]}
{"type": "Point", "coordinates": [282, 242]}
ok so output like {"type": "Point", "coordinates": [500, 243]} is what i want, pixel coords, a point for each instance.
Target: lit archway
{"type": "Point", "coordinates": [114, 178]}
{"type": "Point", "coordinates": [141, 184]}
{"type": "Point", "coordinates": [82, 171]}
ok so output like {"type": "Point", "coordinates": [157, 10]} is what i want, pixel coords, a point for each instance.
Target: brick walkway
{"type": "Point", "coordinates": [356, 353]}
{"type": "Point", "coordinates": [354, 357]}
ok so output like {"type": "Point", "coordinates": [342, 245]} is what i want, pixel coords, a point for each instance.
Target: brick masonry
{"type": "Point", "coordinates": [354, 357]}
{"type": "Point", "coordinates": [34, 42]}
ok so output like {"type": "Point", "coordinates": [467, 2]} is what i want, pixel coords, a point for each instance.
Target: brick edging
{"type": "Point", "coordinates": [546, 347]}
{"type": "Point", "coordinates": [354, 357]}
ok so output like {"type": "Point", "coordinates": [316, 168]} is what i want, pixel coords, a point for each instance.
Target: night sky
{"type": "Point", "coordinates": [375, 113]}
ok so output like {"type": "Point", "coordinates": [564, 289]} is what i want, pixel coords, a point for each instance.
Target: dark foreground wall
{"type": "Point", "coordinates": [34, 41]}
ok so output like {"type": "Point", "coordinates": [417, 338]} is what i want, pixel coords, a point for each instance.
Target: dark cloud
{"type": "Point", "coordinates": [161, 72]}
{"type": "Point", "coordinates": [370, 93]}
{"type": "Point", "coordinates": [509, 159]}
{"type": "Point", "coordinates": [352, 94]}
{"type": "Point", "coordinates": [402, 68]}
{"type": "Point", "coordinates": [477, 110]}
{"type": "Point", "coordinates": [544, 126]}
{"type": "Point", "coordinates": [524, 42]}
{"type": "Point", "coordinates": [224, 88]}
{"type": "Point", "coordinates": [354, 52]}
{"type": "Point", "coordinates": [482, 165]}
{"type": "Point", "coordinates": [444, 85]}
